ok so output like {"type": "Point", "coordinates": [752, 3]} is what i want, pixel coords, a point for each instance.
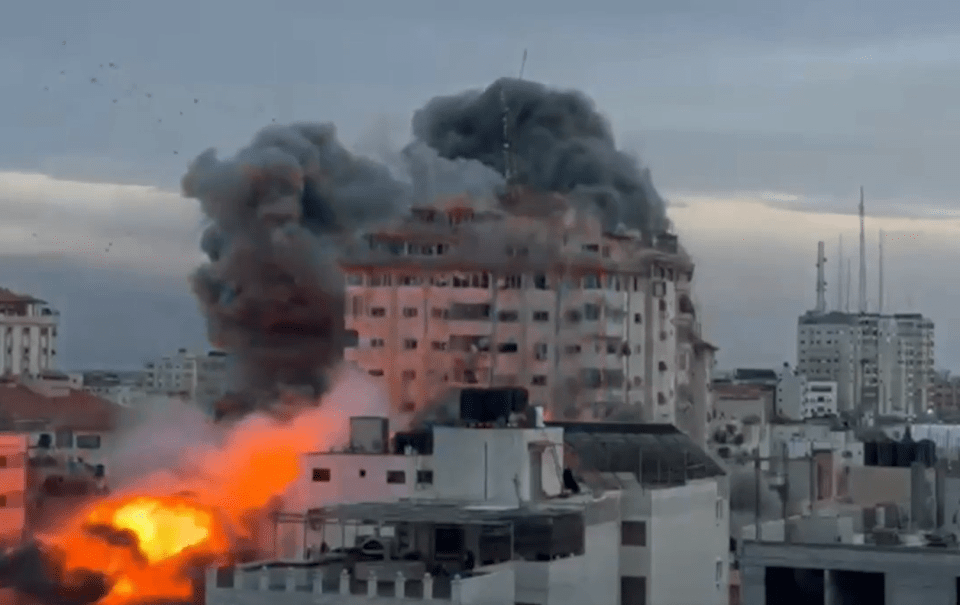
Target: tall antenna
{"type": "Point", "coordinates": [523, 63]}
{"type": "Point", "coordinates": [849, 278]}
{"type": "Point", "coordinates": [821, 280]}
{"type": "Point", "coordinates": [880, 275]}
{"type": "Point", "coordinates": [863, 258]}
{"type": "Point", "coordinates": [840, 274]}
{"type": "Point", "coordinates": [507, 151]}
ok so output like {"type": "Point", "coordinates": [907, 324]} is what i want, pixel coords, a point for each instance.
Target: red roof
{"type": "Point", "coordinates": [9, 296]}
{"type": "Point", "coordinates": [78, 410]}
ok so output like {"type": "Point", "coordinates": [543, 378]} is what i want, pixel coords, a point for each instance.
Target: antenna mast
{"type": "Point", "coordinates": [840, 274]}
{"type": "Point", "coordinates": [821, 280]}
{"type": "Point", "coordinates": [880, 274]}
{"type": "Point", "coordinates": [849, 279]}
{"type": "Point", "coordinates": [863, 258]}
{"type": "Point", "coordinates": [509, 159]}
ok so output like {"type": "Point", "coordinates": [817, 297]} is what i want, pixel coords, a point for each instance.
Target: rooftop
{"type": "Point", "coordinates": [11, 297]}
{"type": "Point", "coordinates": [77, 410]}
{"type": "Point", "coordinates": [656, 454]}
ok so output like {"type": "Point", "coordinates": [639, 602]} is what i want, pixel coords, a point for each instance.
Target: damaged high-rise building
{"type": "Point", "coordinates": [596, 325]}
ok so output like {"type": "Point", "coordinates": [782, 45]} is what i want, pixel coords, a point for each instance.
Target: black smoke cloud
{"type": "Point", "coordinates": [37, 573]}
{"type": "Point", "coordinates": [271, 291]}
{"type": "Point", "coordinates": [560, 143]}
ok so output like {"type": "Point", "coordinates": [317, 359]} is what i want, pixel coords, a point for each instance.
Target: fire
{"type": "Point", "coordinates": [148, 538]}
{"type": "Point", "coordinates": [144, 545]}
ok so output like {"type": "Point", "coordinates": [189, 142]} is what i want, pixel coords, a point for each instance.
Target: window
{"type": "Point", "coordinates": [409, 312]}
{"type": "Point", "coordinates": [540, 281]}
{"type": "Point", "coordinates": [719, 572]}
{"type": "Point", "coordinates": [633, 533]}
{"type": "Point", "coordinates": [539, 381]}
{"type": "Point", "coordinates": [512, 282]}
{"type": "Point", "coordinates": [3, 462]}
{"type": "Point", "coordinates": [354, 279]}
{"type": "Point", "coordinates": [321, 475]}
{"type": "Point", "coordinates": [362, 473]}
{"type": "Point", "coordinates": [438, 313]}
{"type": "Point", "coordinates": [591, 282]}
{"type": "Point", "coordinates": [541, 316]}
{"type": "Point", "coordinates": [508, 316]}
{"type": "Point", "coordinates": [410, 280]}
{"type": "Point", "coordinates": [719, 509]}
{"type": "Point", "coordinates": [378, 312]}
{"type": "Point", "coordinates": [88, 442]}
{"type": "Point", "coordinates": [507, 347]}
{"type": "Point", "coordinates": [637, 318]}
{"type": "Point", "coordinates": [408, 375]}
{"type": "Point", "coordinates": [633, 590]}
{"type": "Point", "coordinates": [438, 345]}
{"type": "Point", "coordinates": [376, 343]}
{"type": "Point", "coordinates": [540, 351]}
{"type": "Point", "coordinates": [65, 439]}
{"type": "Point", "coordinates": [591, 312]}
{"type": "Point", "coordinates": [572, 349]}
{"type": "Point", "coordinates": [375, 372]}
{"type": "Point", "coordinates": [410, 344]}
{"type": "Point", "coordinates": [396, 477]}
{"type": "Point", "coordinates": [425, 477]}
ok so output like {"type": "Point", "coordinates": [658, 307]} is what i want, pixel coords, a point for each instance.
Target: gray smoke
{"type": "Point", "coordinates": [560, 143]}
{"type": "Point", "coordinates": [271, 291]}
{"type": "Point", "coordinates": [37, 573]}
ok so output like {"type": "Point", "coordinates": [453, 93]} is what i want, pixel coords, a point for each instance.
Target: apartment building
{"type": "Point", "coordinates": [28, 334]}
{"type": "Point", "coordinates": [590, 322]}
{"type": "Point", "coordinates": [882, 364]}
{"type": "Point", "coordinates": [198, 377]}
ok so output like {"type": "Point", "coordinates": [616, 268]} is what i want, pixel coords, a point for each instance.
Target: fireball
{"type": "Point", "coordinates": [145, 546]}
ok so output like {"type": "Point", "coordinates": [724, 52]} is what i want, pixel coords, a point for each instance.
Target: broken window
{"type": "Point", "coordinates": [321, 475]}
{"type": "Point", "coordinates": [396, 477]}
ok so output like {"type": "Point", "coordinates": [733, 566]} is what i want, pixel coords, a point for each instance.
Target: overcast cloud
{"type": "Point", "coordinates": [759, 119]}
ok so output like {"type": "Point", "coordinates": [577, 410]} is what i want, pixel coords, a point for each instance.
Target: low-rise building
{"type": "Point", "coordinates": [501, 507]}
{"type": "Point", "coordinates": [28, 335]}
{"type": "Point", "coordinates": [13, 486]}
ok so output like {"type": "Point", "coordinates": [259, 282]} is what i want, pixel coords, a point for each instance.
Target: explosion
{"type": "Point", "coordinates": [146, 543]}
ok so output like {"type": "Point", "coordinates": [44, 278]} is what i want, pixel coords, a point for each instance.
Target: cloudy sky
{"type": "Point", "coordinates": [759, 119]}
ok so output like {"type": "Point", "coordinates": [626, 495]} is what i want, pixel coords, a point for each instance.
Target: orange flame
{"type": "Point", "coordinates": [146, 539]}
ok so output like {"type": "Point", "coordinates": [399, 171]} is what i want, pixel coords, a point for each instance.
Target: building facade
{"type": "Point", "coordinates": [589, 322]}
{"type": "Point", "coordinates": [202, 378]}
{"type": "Point", "coordinates": [13, 486]}
{"type": "Point", "coordinates": [28, 335]}
{"type": "Point", "coordinates": [882, 364]}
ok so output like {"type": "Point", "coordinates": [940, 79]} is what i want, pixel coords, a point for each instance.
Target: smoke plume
{"type": "Point", "coordinates": [560, 143]}
{"type": "Point", "coordinates": [271, 291]}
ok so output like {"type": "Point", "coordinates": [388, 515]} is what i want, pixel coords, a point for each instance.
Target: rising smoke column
{"type": "Point", "coordinates": [272, 292]}
{"type": "Point", "coordinates": [560, 143]}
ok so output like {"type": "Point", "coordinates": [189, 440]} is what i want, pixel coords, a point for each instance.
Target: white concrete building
{"type": "Point", "coordinates": [201, 378]}
{"type": "Point", "coordinates": [590, 322]}
{"type": "Point", "coordinates": [28, 335]}
{"type": "Point", "coordinates": [791, 386]}
{"type": "Point", "coordinates": [883, 361]}
{"type": "Point", "coordinates": [819, 399]}
{"type": "Point", "coordinates": [629, 504]}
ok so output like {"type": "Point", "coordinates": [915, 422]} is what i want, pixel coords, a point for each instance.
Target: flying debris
{"type": "Point", "coordinates": [181, 113]}
{"type": "Point", "coordinates": [63, 72]}
{"type": "Point", "coordinates": [64, 43]}
{"type": "Point", "coordinates": [159, 120]}
{"type": "Point", "coordinates": [46, 88]}
{"type": "Point", "coordinates": [196, 100]}
{"type": "Point", "coordinates": [149, 95]}
{"type": "Point", "coordinates": [93, 80]}
{"type": "Point", "coordinates": [113, 65]}
{"type": "Point", "coordinates": [176, 153]}
{"type": "Point", "coordinates": [114, 100]}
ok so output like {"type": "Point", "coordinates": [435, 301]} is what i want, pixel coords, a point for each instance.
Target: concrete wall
{"type": "Point", "coordinates": [688, 542]}
{"type": "Point", "coordinates": [913, 576]}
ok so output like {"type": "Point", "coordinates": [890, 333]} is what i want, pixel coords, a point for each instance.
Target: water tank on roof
{"type": "Point", "coordinates": [491, 405]}
{"type": "Point", "coordinates": [369, 434]}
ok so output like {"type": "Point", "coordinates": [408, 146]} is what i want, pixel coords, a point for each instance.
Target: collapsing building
{"type": "Point", "coordinates": [497, 507]}
{"type": "Point", "coordinates": [595, 324]}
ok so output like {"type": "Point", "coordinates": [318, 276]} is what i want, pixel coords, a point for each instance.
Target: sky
{"type": "Point", "coordinates": [759, 120]}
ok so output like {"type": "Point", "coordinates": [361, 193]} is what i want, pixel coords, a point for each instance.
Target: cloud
{"type": "Point", "coordinates": [124, 226]}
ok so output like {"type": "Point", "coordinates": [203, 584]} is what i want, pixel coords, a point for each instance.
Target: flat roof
{"type": "Point", "coordinates": [441, 513]}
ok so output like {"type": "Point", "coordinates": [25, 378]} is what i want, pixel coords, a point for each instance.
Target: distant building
{"type": "Point", "coordinates": [594, 324]}
{"type": "Point", "coordinates": [791, 387]}
{"type": "Point", "coordinates": [943, 396]}
{"type": "Point", "coordinates": [201, 378]}
{"type": "Point", "coordinates": [819, 399]}
{"type": "Point", "coordinates": [884, 362]}
{"type": "Point", "coordinates": [123, 388]}
{"type": "Point", "coordinates": [28, 335]}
